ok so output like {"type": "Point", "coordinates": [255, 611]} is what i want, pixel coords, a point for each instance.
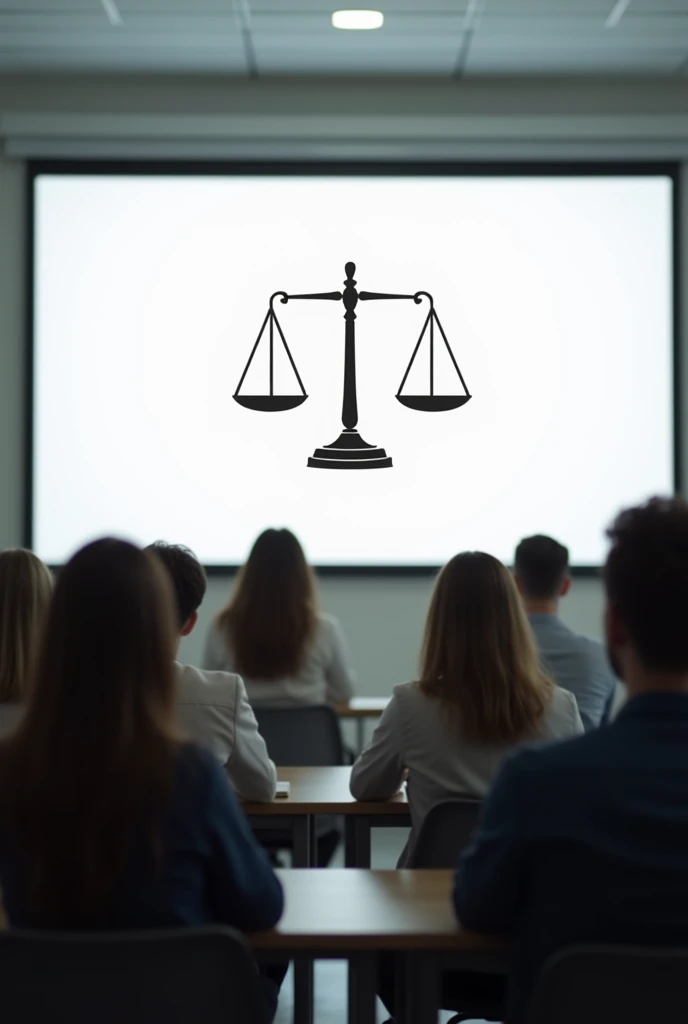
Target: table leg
{"type": "Point", "coordinates": [301, 833]}
{"type": "Point", "coordinates": [312, 842]}
{"type": "Point", "coordinates": [417, 989]}
{"type": "Point", "coordinates": [349, 841]}
{"type": "Point", "coordinates": [362, 842]}
{"type": "Point", "coordinates": [360, 734]}
{"type": "Point", "coordinates": [356, 841]}
{"type": "Point", "coordinates": [303, 967]}
{"type": "Point", "coordinates": [362, 989]}
{"type": "Point", "coordinates": [303, 990]}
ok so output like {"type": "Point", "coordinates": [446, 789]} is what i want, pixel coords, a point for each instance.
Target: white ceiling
{"type": "Point", "coordinates": [265, 37]}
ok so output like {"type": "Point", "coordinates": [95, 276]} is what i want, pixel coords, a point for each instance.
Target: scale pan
{"type": "Point", "coordinates": [433, 403]}
{"type": "Point", "coordinates": [270, 403]}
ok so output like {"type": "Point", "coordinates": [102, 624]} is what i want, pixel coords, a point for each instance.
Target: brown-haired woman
{"type": "Point", "coordinates": [25, 590]}
{"type": "Point", "coordinates": [108, 818]}
{"type": "Point", "coordinates": [272, 634]}
{"type": "Point", "coordinates": [481, 692]}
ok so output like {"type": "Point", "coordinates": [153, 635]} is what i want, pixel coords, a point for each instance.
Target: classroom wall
{"type": "Point", "coordinates": [104, 116]}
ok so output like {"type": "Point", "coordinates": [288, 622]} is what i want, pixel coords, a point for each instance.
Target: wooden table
{"type": "Point", "coordinates": [361, 708]}
{"type": "Point", "coordinates": [358, 914]}
{"type": "Point", "coordinates": [318, 791]}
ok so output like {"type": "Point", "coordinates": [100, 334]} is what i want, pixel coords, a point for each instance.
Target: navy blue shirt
{"type": "Point", "coordinates": [212, 869]}
{"type": "Point", "coordinates": [585, 841]}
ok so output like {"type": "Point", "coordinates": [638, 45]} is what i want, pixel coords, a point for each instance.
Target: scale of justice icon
{"type": "Point", "coordinates": [350, 451]}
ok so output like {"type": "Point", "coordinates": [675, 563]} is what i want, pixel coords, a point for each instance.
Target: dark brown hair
{"type": "Point", "coordinates": [541, 564]}
{"type": "Point", "coordinates": [89, 768]}
{"type": "Point", "coordinates": [26, 587]}
{"type": "Point", "coordinates": [479, 655]}
{"type": "Point", "coordinates": [271, 617]}
{"type": "Point", "coordinates": [188, 577]}
{"type": "Point", "coordinates": [646, 578]}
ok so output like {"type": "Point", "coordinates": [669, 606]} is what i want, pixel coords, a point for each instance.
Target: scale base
{"type": "Point", "coordinates": [350, 451]}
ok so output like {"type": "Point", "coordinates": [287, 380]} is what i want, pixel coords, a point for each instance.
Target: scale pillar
{"type": "Point", "coordinates": [350, 451]}
{"type": "Point", "coordinates": [350, 400]}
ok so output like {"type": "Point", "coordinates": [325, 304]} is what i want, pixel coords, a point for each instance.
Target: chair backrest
{"type": "Point", "coordinates": [445, 832]}
{"type": "Point", "coordinates": [597, 984]}
{"type": "Point", "coordinates": [199, 975]}
{"type": "Point", "coordinates": [303, 736]}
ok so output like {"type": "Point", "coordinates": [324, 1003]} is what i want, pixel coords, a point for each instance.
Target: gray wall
{"type": "Point", "coordinates": [382, 617]}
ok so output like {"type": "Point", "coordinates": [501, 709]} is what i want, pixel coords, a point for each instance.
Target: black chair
{"type": "Point", "coordinates": [446, 830]}
{"type": "Point", "coordinates": [600, 984]}
{"type": "Point", "coordinates": [199, 975]}
{"type": "Point", "coordinates": [303, 736]}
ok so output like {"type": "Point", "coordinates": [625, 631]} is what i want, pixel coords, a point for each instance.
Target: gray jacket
{"type": "Point", "coordinates": [414, 735]}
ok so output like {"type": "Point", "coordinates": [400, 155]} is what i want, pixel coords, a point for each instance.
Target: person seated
{"type": "Point", "coordinates": [212, 707]}
{"type": "Point", "coordinates": [481, 692]}
{"type": "Point", "coordinates": [26, 586]}
{"type": "Point", "coordinates": [584, 841]}
{"type": "Point", "coordinates": [273, 635]}
{"type": "Point", "coordinates": [109, 819]}
{"type": "Point", "coordinates": [576, 663]}
{"type": "Point", "coordinates": [286, 651]}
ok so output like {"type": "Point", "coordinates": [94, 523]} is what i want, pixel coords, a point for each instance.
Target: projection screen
{"type": "Point", "coordinates": [554, 292]}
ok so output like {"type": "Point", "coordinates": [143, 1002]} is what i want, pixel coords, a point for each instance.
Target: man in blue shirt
{"type": "Point", "coordinates": [587, 840]}
{"type": "Point", "coordinates": [575, 662]}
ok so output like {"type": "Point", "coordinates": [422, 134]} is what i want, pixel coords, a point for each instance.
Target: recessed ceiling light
{"type": "Point", "coordinates": [358, 20]}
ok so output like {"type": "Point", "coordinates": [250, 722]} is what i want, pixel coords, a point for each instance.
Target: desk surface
{"type": "Point", "coordinates": [362, 707]}
{"type": "Point", "coordinates": [325, 791]}
{"type": "Point", "coordinates": [357, 909]}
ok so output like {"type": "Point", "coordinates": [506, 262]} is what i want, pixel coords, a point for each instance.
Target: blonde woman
{"type": "Point", "coordinates": [25, 591]}
{"type": "Point", "coordinates": [481, 693]}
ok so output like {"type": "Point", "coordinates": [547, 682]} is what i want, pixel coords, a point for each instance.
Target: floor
{"type": "Point", "coordinates": [330, 975]}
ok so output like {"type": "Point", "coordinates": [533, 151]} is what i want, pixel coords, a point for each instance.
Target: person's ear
{"type": "Point", "coordinates": [616, 640]}
{"type": "Point", "coordinates": [614, 629]}
{"type": "Point", "coordinates": [565, 587]}
{"type": "Point", "coordinates": [189, 624]}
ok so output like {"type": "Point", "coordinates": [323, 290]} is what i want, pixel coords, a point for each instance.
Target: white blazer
{"type": "Point", "coordinates": [213, 709]}
{"type": "Point", "coordinates": [326, 674]}
{"type": "Point", "coordinates": [414, 735]}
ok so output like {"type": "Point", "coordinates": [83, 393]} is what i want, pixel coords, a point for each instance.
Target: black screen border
{"type": "Point", "coordinates": [361, 168]}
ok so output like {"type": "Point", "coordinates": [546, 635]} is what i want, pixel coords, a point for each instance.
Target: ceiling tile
{"type": "Point", "coordinates": [296, 37]}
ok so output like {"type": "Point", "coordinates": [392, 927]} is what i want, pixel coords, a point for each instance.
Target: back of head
{"type": "Point", "coordinates": [25, 591]}
{"type": "Point", "coordinates": [646, 579]}
{"type": "Point", "coordinates": [271, 617]}
{"type": "Point", "coordinates": [479, 655]}
{"type": "Point", "coordinates": [94, 753]}
{"type": "Point", "coordinates": [187, 575]}
{"type": "Point", "coordinates": [541, 565]}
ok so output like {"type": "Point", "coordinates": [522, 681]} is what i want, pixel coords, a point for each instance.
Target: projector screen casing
{"type": "Point", "coordinates": [363, 169]}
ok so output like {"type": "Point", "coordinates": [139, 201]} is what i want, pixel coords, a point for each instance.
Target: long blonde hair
{"type": "Point", "coordinates": [25, 590]}
{"type": "Point", "coordinates": [479, 655]}
{"type": "Point", "coordinates": [271, 616]}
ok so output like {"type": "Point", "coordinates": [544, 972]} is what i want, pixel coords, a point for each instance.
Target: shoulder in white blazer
{"type": "Point", "coordinates": [414, 736]}
{"type": "Point", "coordinates": [213, 709]}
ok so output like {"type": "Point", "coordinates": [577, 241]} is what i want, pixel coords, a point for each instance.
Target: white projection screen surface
{"type": "Point", "coordinates": [555, 294]}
